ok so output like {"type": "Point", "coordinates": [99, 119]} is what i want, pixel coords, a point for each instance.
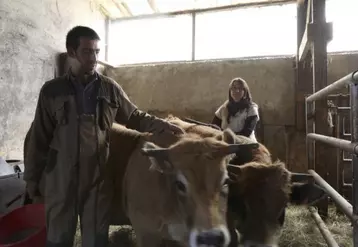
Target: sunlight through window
{"type": "Point", "coordinates": [235, 33]}
{"type": "Point", "coordinates": [151, 40]}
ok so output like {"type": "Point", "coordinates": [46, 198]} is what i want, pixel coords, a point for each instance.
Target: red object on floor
{"type": "Point", "coordinates": [30, 218]}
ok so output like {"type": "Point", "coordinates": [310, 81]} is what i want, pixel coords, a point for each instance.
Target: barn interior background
{"type": "Point", "coordinates": [178, 57]}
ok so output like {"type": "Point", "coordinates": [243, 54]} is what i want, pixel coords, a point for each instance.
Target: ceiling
{"type": "Point", "coordinates": [116, 9]}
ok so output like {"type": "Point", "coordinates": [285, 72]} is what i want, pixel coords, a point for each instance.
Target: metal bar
{"type": "Point", "coordinates": [193, 19]}
{"type": "Point", "coordinates": [345, 133]}
{"type": "Point", "coordinates": [342, 108]}
{"type": "Point", "coordinates": [339, 95]}
{"type": "Point", "coordinates": [336, 197]}
{"type": "Point", "coordinates": [202, 10]}
{"type": "Point", "coordinates": [338, 151]}
{"type": "Point", "coordinates": [106, 37]}
{"type": "Point", "coordinates": [310, 159]}
{"type": "Point", "coordinates": [323, 228]}
{"type": "Point", "coordinates": [344, 81]}
{"type": "Point", "coordinates": [354, 138]}
{"type": "Point", "coordinates": [335, 142]}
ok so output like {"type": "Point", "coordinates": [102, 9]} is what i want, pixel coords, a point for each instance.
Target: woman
{"type": "Point", "coordinates": [238, 113]}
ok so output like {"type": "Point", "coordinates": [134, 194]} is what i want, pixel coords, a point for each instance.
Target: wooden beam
{"type": "Point", "coordinates": [153, 6]}
{"type": "Point", "coordinates": [127, 9]}
{"type": "Point", "coordinates": [303, 84]}
{"type": "Point", "coordinates": [123, 7]}
{"type": "Point", "coordinates": [324, 156]}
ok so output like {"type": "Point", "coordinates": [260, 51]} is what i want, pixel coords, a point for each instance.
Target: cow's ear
{"type": "Point", "coordinates": [227, 136]}
{"type": "Point", "coordinates": [234, 172]}
{"type": "Point", "coordinates": [158, 157]}
{"type": "Point", "coordinates": [306, 193]}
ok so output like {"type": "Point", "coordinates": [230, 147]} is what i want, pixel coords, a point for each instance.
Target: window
{"type": "Point", "coordinates": [99, 27]}
{"type": "Point", "coordinates": [343, 15]}
{"type": "Point", "coordinates": [243, 32]}
{"type": "Point", "coordinates": [150, 40]}
{"type": "Point", "coordinates": [246, 32]}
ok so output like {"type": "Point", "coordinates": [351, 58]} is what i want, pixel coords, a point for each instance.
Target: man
{"type": "Point", "coordinates": [69, 143]}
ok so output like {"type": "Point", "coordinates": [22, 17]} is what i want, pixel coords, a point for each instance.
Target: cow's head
{"type": "Point", "coordinates": [258, 198]}
{"type": "Point", "coordinates": [196, 171]}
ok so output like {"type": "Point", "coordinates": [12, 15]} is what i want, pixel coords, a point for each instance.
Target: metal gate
{"type": "Point", "coordinates": [351, 81]}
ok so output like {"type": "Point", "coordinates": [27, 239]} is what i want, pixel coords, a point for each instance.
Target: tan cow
{"type": "Point", "coordinates": [171, 188]}
{"type": "Point", "coordinates": [259, 192]}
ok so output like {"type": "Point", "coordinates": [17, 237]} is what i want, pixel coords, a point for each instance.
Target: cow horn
{"type": "Point", "coordinates": [234, 148]}
{"type": "Point", "coordinates": [158, 153]}
{"type": "Point", "coordinates": [298, 177]}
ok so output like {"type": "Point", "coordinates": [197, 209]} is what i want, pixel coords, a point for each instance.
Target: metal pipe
{"type": "Point", "coordinates": [344, 81]}
{"type": "Point", "coordinates": [327, 235]}
{"type": "Point", "coordinates": [336, 197]}
{"type": "Point", "coordinates": [193, 37]}
{"type": "Point", "coordinates": [335, 142]}
{"type": "Point", "coordinates": [342, 108]}
{"type": "Point", "coordinates": [354, 138]}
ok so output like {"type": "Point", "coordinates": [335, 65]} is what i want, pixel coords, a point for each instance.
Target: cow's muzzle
{"type": "Point", "coordinates": [216, 237]}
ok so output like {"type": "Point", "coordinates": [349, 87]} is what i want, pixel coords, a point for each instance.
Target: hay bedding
{"type": "Point", "coordinates": [299, 230]}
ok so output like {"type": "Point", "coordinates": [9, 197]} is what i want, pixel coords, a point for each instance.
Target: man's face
{"type": "Point", "coordinates": [86, 55]}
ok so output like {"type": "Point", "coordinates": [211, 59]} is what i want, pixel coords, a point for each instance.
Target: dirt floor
{"type": "Point", "coordinates": [299, 230]}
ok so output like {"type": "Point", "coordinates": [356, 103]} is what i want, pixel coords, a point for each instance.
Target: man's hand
{"type": "Point", "coordinates": [145, 122]}
{"type": "Point", "coordinates": [163, 125]}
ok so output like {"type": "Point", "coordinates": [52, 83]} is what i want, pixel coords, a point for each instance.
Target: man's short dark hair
{"type": "Point", "coordinates": [74, 35]}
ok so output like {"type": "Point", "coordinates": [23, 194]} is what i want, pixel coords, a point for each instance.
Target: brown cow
{"type": "Point", "coordinates": [259, 192]}
{"type": "Point", "coordinates": [171, 188]}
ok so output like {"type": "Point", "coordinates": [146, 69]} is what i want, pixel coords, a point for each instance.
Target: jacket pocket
{"type": "Point", "coordinates": [107, 112]}
{"type": "Point", "coordinates": [61, 113]}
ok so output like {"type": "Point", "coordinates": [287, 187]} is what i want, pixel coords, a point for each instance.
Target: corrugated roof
{"type": "Point", "coordinates": [116, 9]}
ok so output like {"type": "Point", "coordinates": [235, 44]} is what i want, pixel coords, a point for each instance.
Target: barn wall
{"type": "Point", "coordinates": [31, 34]}
{"type": "Point", "coordinates": [197, 89]}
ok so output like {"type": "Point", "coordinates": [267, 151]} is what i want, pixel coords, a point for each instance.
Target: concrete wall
{"type": "Point", "coordinates": [31, 34]}
{"type": "Point", "coordinates": [196, 89]}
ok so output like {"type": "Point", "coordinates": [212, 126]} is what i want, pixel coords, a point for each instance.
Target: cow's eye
{"type": "Point", "coordinates": [180, 186]}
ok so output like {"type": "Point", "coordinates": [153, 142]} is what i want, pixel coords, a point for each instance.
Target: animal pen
{"type": "Point", "coordinates": [313, 34]}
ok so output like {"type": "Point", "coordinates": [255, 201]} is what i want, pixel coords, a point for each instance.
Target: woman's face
{"type": "Point", "coordinates": [237, 91]}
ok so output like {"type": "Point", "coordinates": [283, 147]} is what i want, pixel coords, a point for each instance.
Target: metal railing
{"type": "Point", "coordinates": [350, 211]}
